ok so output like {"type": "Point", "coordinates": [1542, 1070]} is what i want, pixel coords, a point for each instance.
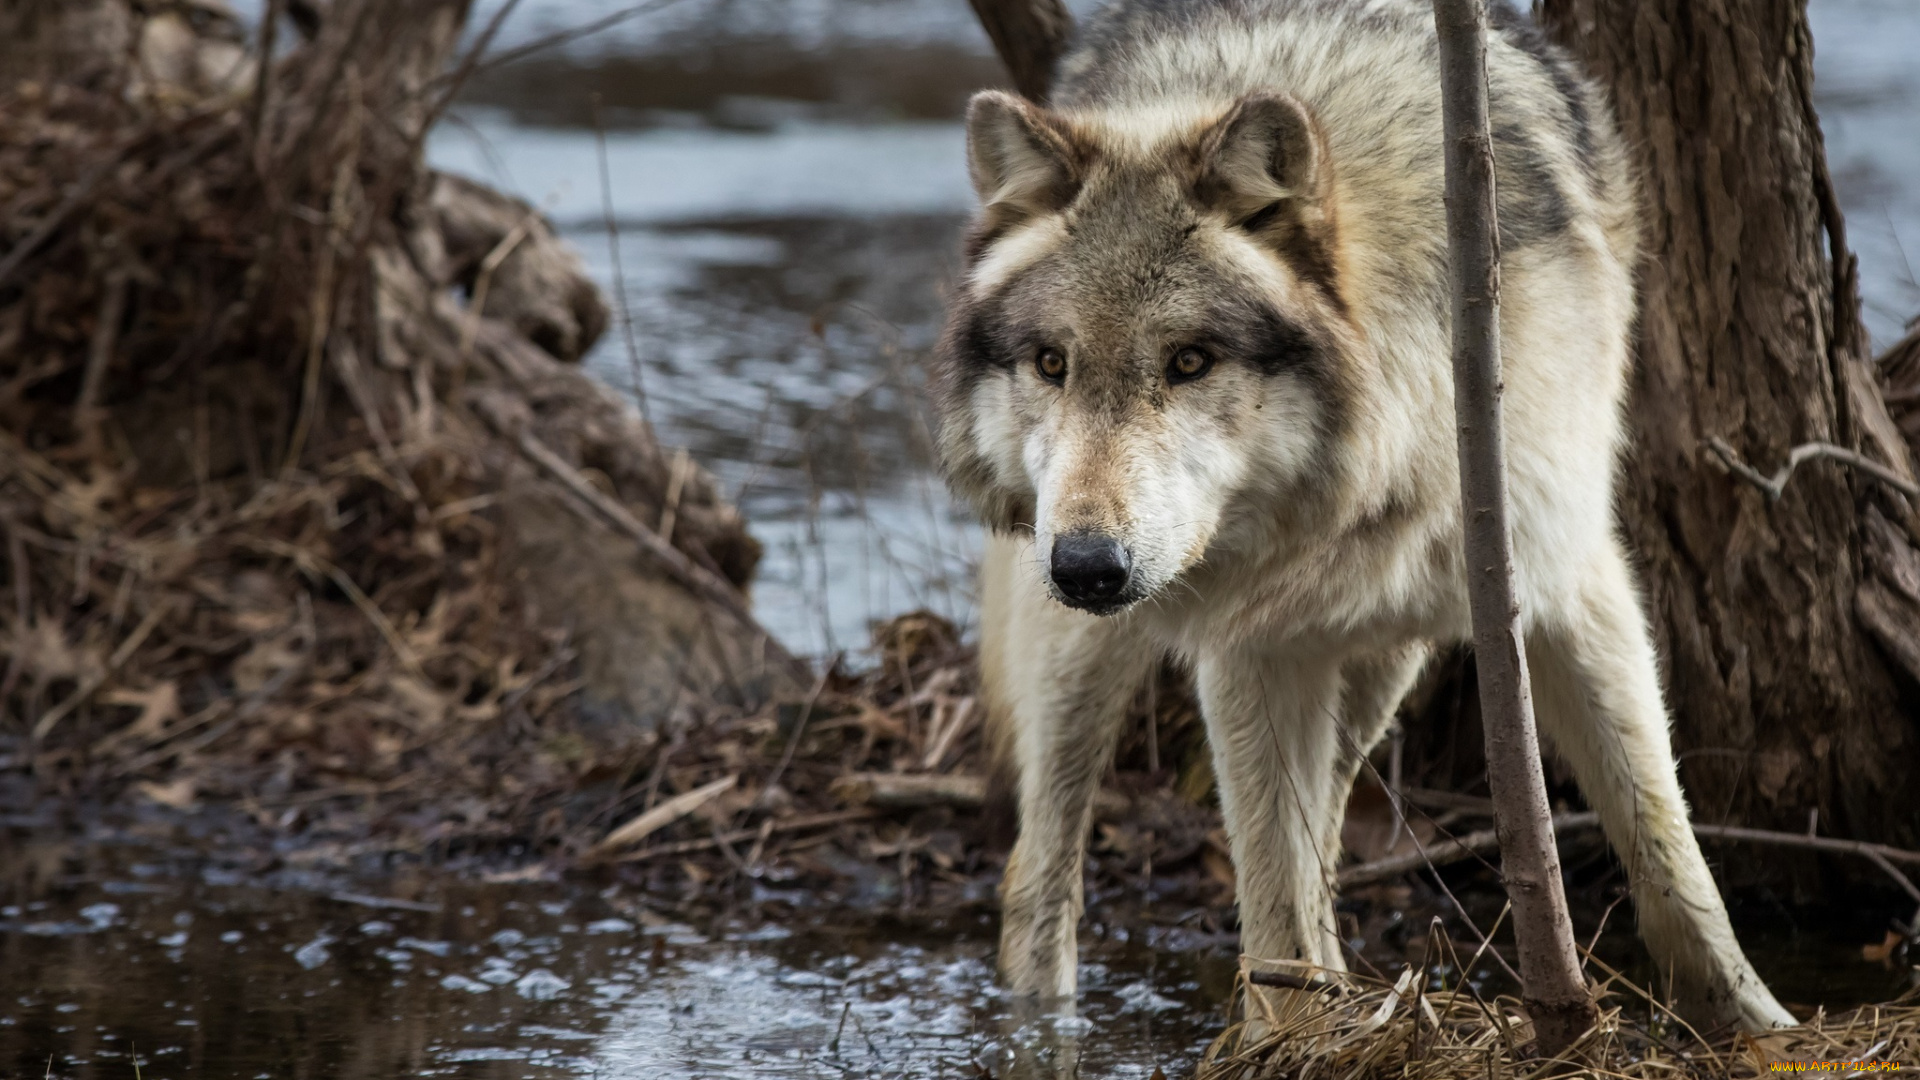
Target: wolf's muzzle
{"type": "Point", "coordinates": [1089, 569]}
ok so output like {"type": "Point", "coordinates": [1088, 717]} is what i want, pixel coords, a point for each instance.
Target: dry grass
{"type": "Point", "coordinates": [1424, 1027]}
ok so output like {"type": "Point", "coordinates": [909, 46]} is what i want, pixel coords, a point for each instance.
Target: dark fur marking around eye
{"type": "Point", "coordinates": [1262, 217]}
{"type": "Point", "coordinates": [980, 344]}
{"type": "Point", "coordinates": [1274, 345]}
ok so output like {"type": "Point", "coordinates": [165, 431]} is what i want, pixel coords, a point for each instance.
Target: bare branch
{"type": "Point", "coordinates": [100, 349]}
{"type": "Point", "coordinates": [1879, 854]}
{"type": "Point", "coordinates": [1773, 486]}
{"type": "Point", "coordinates": [1447, 852]}
{"type": "Point", "coordinates": [550, 41]}
{"type": "Point", "coordinates": [960, 791]}
{"type": "Point", "coordinates": [1296, 982]}
{"type": "Point", "coordinates": [1484, 842]}
{"type": "Point", "coordinates": [793, 824]}
{"type": "Point", "coordinates": [696, 578]}
{"type": "Point", "coordinates": [98, 679]}
{"type": "Point", "coordinates": [77, 196]}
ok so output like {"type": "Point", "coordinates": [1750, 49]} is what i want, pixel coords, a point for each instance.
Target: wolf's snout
{"type": "Point", "coordinates": [1089, 569]}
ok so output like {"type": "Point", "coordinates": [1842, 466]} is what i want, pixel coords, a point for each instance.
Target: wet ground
{"type": "Point", "coordinates": [137, 944]}
{"type": "Point", "coordinates": [176, 943]}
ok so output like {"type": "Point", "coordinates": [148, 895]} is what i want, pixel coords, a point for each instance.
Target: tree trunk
{"type": "Point", "coordinates": [1780, 620]}
{"type": "Point", "coordinates": [1029, 35]}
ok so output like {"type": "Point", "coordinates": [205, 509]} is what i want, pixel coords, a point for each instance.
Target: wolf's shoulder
{"type": "Point", "coordinates": [1125, 38]}
{"type": "Point", "coordinates": [1129, 49]}
{"type": "Point", "coordinates": [1369, 72]}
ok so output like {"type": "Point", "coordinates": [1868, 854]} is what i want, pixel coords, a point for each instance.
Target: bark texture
{"type": "Point", "coordinates": [1766, 612]}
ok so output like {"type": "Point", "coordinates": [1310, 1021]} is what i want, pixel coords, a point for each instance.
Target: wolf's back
{"type": "Point", "coordinates": [1369, 72]}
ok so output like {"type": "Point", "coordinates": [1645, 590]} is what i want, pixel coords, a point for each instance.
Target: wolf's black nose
{"type": "Point", "coordinates": [1089, 568]}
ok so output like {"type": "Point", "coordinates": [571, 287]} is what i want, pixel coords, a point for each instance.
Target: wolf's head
{"type": "Point", "coordinates": [1150, 329]}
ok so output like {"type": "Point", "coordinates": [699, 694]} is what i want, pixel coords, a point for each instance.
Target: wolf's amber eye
{"type": "Point", "coordinates": [1052, 365]}
{"type": "Point", "coordinates": [1187, 365]}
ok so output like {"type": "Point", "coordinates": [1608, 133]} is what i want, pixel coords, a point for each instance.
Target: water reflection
{"type": "Point", "coordinates": [144, 940]}
{"type": "Point", "coordinates": [783, 288]}
{"type": "Point", "coordinates": [139, 949]}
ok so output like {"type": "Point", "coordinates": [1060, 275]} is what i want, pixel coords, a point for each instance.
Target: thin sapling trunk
{"type": "Point", "coordinates": [1555, 992]}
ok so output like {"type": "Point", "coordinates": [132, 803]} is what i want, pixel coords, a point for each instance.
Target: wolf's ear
{"type": "Point", "coordinates": [1020, 157]}
{"type": "Point", "coordinates": [1267, 148]}
{"type": "Point", "coordinates": [1264, 164]}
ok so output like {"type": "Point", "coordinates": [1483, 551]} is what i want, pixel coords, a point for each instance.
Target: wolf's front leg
{"type": "Point", "coordinates": [1599, 700]}
{"type": "Point", "coordinates": [1274, 726]}
{"type": "Point", "coordinates": [1057, 684]}
{"type": "Point", "coordinates": [1373, 685]}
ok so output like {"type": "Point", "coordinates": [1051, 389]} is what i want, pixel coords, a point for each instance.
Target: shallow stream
{"type": "Point", "coordinates": [143, 943]}
{"type": "Point", "coordinates": [188, 944]}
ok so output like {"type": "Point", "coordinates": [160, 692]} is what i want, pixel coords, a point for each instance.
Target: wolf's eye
{"type": "Point", "coordinates": [1051, 364]}
{"type": "Point", "coordinates": [1188, 365]}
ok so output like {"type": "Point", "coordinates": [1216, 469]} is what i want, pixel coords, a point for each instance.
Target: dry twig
{"type": "Point", "coordinates": [1774, 486]}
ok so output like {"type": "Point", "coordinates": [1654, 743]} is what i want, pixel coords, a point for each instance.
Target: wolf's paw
{"type": "Point", "coordinates": [1740, 1003]}
{"type": "Point", "coordinates": [1758, 1011]}
{"type": "Point", "coordinates": [1039, 956]}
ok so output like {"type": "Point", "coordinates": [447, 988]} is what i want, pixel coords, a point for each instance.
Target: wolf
{"type": "Point", "coordinates": [1196, 379]}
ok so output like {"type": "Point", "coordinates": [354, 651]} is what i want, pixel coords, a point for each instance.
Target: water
{"type": "Point", "coordinates": [787, 185]}
{"type": "Point", "coordinates": [787, 182]}
{"type": "Point", "coordinates": [1867, 88]}
{"type": "Point", "coordinates": [185, 945]}
{"type": "Point", "coordinates": [141, 948]}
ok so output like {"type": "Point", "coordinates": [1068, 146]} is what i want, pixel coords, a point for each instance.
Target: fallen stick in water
{"type": "Point", "coordinates": [663, 815]}
{"type": "Point", "coordinates": [1295, 982]}
{"type": "Point", "coordinates": [1879, 854]}
{"type": "Point", "coordinates": [911, 791]}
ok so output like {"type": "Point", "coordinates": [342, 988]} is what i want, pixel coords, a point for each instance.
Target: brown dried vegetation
{"type": "Point", "coordinates": [1408, 1030]}
{"type": "Point", "coordinates": [272, 528]}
